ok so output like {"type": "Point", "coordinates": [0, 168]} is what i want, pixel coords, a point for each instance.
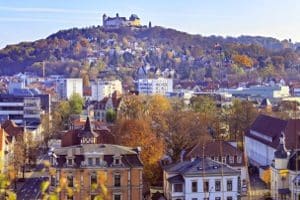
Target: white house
{"type": "Point", "coordinates": [201, 179]}
{"type": "Point", "coordinates": [262, 139]}
{"type": "Point", "coordinates": [221, 151]}
{"type": "Point", "coordinates": [155, 86]}
{"type": "Point", "coordinates": [101, 89]}
{"type": "Point", "coordinates": [67, 87]}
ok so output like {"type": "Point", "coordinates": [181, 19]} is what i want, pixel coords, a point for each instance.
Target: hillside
{"type": "Point", "coordinates": [92, 52]}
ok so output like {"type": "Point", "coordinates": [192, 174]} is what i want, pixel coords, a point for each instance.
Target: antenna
{"type": "Point", "coordinates": [43, 68]}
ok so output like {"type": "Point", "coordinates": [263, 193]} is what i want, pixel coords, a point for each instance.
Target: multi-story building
{"type": "Point", "coordinates": [23, 110]}
{"type": "Point", "coordinates": [86, 154]}
{"type": "Point", "coordinates": [155, 86]}
{"type": "Point", "coordinates": [201, 179]}
{"type": "Point", "coordinates": [101, 89]}
{"type": "Point", "coordinates": [261, 91]}
{"type": "Point", "coordinates": [221, 151]}
{"type": "Point", "coordinates": [66, 87]}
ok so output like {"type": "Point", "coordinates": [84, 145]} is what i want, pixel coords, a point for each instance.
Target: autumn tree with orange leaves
{"type": "Point", "coordinates": [243, 60]}
{"type": "Point", "coordinates": [137, 132]}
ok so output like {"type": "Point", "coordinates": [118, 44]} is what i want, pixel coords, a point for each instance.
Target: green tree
{"type": "Point", "coordinates": [76, 103]}
{"type": "Point", "coordinates": [110, 115]}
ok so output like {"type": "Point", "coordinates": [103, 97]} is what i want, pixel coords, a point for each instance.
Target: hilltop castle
{"type": "Point", "coordinates": [118, 22]}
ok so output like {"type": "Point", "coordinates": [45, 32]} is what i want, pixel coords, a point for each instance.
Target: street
{"type": "Point", "coordinates": [31, 187]}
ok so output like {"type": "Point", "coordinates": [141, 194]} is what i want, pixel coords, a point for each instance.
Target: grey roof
{"type": "Point", "coordinates": [200, 167]}
{"type": "Point", "coordinates": [176, 179]}
{"type": "Point", "coordinates": [129, 156]}
{"type": "Point", "coordinates": [87, 130]}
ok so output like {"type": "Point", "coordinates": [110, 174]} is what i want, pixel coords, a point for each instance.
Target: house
{"type": "Point", "coordinates": [100, 108]}
{"type": "Point", "coordinates": [98, 135]}
{"type": "Point", "coordinates": [159, 85]}
{"type": "Point", "coordinates": [220, 151]}
{"type": "Point", "coordinates": [262, 139]}
{"type": "Point", "coordinates": [199, 179]}
{"type": "Point", "coordinates": [285, 176]}
{"type": "Point", "coordinates": [88, 158]}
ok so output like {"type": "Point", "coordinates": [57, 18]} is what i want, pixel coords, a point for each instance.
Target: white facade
{"type": "Point", "coordinates": [213, 193]}
{"type": "Point", "coordinates": [101, 89]}
{"type": "Point", "coordinates": [155, 86]}
{"type": "Point", "coordinates": [67, 87]}
{"type": "Point", "coordinates": [276, 91]}
{"type": "Point", "coordinates": [258, 152]}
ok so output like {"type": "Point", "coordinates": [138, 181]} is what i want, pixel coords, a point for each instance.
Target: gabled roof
{"type": "Point", "coordinates": [200, 167]}
{"type": "Point", "coordinates": [214, 148]}
{"type": "Point", "coordinates": [273, 127]}
{"type": "Point", "coordinates": [176, 179]}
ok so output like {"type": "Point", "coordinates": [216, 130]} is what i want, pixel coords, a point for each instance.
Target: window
{"type": "Point", "coordinates": [194, 199]}
{"type": "Point", "coordinates": [70, 180]}
{"type": "Point", "coordinates": [70, 162]}
{"type": "Point", "coordinates": [223, 159]}
{"type": "Point", "coordinates": [117, 161]}
{"type": "Point", "coordinates": [216, 158]}
{"type": "Point", "coordinates": [90, 161]}
{"type": "Point", "coordinates": [69, 197]}
{"type": "Point", "coordinates": [93, 179]}
{"type": "Point", "coordinates": [178, 187]}
{"type": "Point", "coordinates": [205, 186]}
{"type": "Point", "coordinates": [218, 198]}
{"type": "Point", "coordinates": [93, 196]}
{"type": "Point", "coordinates": [117, 197]}
{"type": "Point", "coordinates": [194, 186]}
{"type": "Point", "coordinates": [229, 185]}
{"type": "Point", "coordinates": [239, 159]}
{"type": "Point", "coordinates": [217, 185]}
{"type": "Point", "coordinates": [117, 179]}
{"type": "Point", "coordinates": [97, 161]}
{"type": "Point", "coordinates": [231, 159]}
{"type": "Point", "coordinates": [229, 198]}
{"type": "Point", "coordinates": [206, 198]}
{"type": "Point", "coordinates": [53, 180]}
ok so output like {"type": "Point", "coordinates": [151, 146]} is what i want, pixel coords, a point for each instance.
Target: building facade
{"type": "Point", "coordinates": [201, 179]}
{"type": "Point", "coordinates": [161, 86]}
{"type": "Point", "coordinates": [84, 160]}
{"type": "Point", "coordinates": [23, 110]}
{"type": "Point", "coordinates": [224, 152]}
{"type": "Point", "coordinates": [101, 89]}
{"type": "Point", "coordinates": [67, 87]}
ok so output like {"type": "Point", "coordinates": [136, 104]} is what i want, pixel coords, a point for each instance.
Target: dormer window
{"type": "Point", "coordinates": [117, 160]}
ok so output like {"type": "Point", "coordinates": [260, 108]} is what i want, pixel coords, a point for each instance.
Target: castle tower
{"type": "Point", "coordinates": [104, 17]}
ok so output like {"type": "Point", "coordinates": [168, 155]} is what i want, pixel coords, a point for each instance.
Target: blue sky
{"type": "Point", "coordinates": [28, 20]}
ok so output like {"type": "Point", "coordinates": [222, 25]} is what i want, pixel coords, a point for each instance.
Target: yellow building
{"type": "Point", "coordinates": [88, 166]}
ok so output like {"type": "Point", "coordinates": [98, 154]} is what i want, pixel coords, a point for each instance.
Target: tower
{"type": "Point", "coordinates": [104, 17]}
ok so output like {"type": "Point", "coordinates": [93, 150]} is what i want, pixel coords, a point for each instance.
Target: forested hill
{"type": "Point", "coordinates": [88, 52]}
